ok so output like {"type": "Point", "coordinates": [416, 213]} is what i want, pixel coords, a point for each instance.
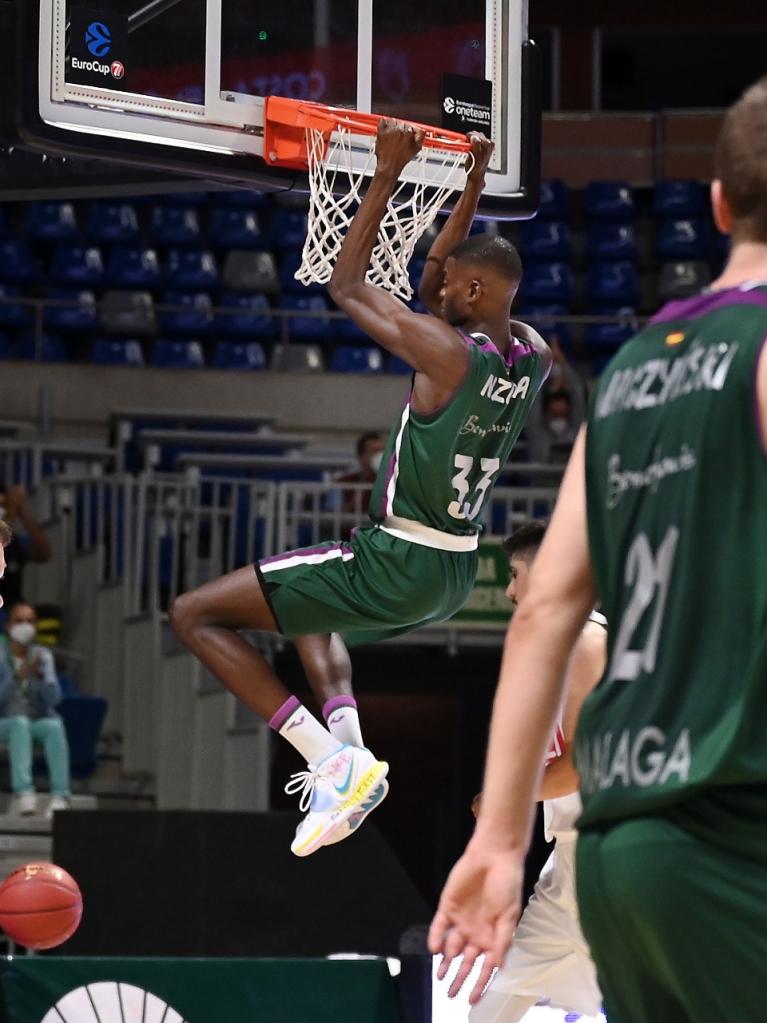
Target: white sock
{"type": "Point", "coordinates": [343, 720]}
{"type": "Point", "coordinates": [304, 732]}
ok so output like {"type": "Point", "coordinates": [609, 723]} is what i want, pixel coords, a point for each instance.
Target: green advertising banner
{"type": "Point", "coordinates": [487, 606]}
{"type": "Point", "coordinates": [38, 989]}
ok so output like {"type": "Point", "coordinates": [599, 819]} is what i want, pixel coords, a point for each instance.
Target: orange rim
{"type": "Point", "coordinates": [286, 122]}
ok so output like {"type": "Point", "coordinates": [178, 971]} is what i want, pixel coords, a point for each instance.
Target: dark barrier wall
{"type": "Point", "coordinates": [196, 991]}
{"type": "Point", "coordinates": [226, 884]}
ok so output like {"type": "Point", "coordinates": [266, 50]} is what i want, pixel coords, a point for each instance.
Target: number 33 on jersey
{"type": "Point", "coordinates": [439, 469]}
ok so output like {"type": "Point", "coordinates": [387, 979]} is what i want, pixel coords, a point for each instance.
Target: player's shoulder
{"type": "Point", "coordinates": [524, 332]}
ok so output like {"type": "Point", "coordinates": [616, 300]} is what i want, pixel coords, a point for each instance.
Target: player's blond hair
{"type": "Point", "coordinates": [5, 533]}
{"type": "Point", "coordinates": [741, 162]}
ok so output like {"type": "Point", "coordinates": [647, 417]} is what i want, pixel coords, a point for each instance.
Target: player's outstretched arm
{"type": "Point", "coordinates": [587, 665]}
{"type": "Point", "coordinates": [458, 224]}
{"type": "Point", "coordinates": [481, 900]}
{"type": "Point", "coordinates": [430, 346]}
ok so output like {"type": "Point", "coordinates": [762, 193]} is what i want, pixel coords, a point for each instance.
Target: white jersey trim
{"type": "Point", "coordinates": [392, 487]}
{"type": "Point", "coordinates": [292, 561]}
{"type": "Point", "coordinates": [426, 536]}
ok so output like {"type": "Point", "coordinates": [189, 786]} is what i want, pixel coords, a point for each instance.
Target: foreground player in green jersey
{"type": "Point", "coordinates": [663, 514]}
{"type": "Point", "coordinates": [476, 376]}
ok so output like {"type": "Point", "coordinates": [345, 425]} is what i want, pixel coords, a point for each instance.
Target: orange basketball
{"type": "Point", "coordinates": [40, 905]}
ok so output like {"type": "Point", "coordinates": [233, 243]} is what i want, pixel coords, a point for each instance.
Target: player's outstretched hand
{"type": "Point", "coordinates": [479, 158]}
{"type": "Point", "coordinates": [396, 145]}
{"type": "Point", "coordinates": [478, 911]}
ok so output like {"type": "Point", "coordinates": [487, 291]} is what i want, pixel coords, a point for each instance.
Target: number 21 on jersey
{"type": "Point", "coordinates": [650, 576]}
{"type": "Point", "coordinates": [461, 508]}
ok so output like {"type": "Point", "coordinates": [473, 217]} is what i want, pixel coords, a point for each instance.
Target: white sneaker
{"type": "Point", "coordinates": [331, 792]}
{"type": "Point", "coordinates": [56, 803]}
{"type": "Point", "coordinates": [345, 830]}
{"type": "Point", "coordinates": [24, 804]}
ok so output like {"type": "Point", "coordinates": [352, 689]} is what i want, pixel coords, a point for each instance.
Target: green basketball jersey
{"type": "Point", "coordinates": [676, 481]}
{"type": "Point", "coordinates": [439, 469]}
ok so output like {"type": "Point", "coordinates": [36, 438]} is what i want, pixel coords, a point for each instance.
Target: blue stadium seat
{"type": "Point", "coordinates": [17, 264]}
{"type": "Point", "coordinates": [77, 264]}
{"type": "Point", "coordinates": [50, 222]}
{"type": "Point", "coordinates": [193, 268]}
{"type": "Point", "coordinates": [346, 329]}
{"type": "Point", "coordinates": [255, 320]}
{"type": "Point", "coordinates": [64, 319]}
{"type": "Point", "coordinates": [197, 317]}
{"type": "Point", "coordinates": [611, 336]}
{"type": "Point", "coordinates": [246, 199]}
{"type": "Point", "coordinates": [551, 327]}
{"type": "Point", "coordinates": [397, 365]}
{"type": "Point", "coordinates": [613, 284]}
{"type": "Point", "coordinates": [132, 267]}
{"type": "Point", "coordinates": [109, 221]}
{"type": "Point", "coordinates": [288, 230]}
{"type": "Point", "coordinates": [177, 354]}
{"type": "Point", "coordinates": [6, 350]}
{"type": "Point", "coordinates": [174, 225]}
{"type": "Point", "coordinates": [415, 271]}
{"type": "Point", "coordinates": [545, 240]}
{"type": "Point", "coordinates": [5, 231]}
{"type": "Point", "coordinates": [356, 359]}
{"type": "Point", "coordinates": [83, 717]}
{"type": "Point", "coordinates": [239, 355]}
{"type": "Point", "coordinates": [307, 328]}
{"type": "Point", "coordinates": [183, 199]}
{"type": "Point", "coordinates": [683, 239]}
{"type": "Point", "coordinates": [679, 197]}
{"type": "Point", "coordinates": [555, 201]}
{"type": "Point", "coordinates": [13, 314]}
{"type": "Point", "coordinates": [107, 352]}
{"type": "Point", "coordinates": [290, 263]}
{"type": "Point", "coordinates": [607, 240]}
{"type": "Point", "coordinates": [547, 283]}
{"type": "Point", "coordinates": [234, 228]}
{"type": "Point", "coordinates": [53, 348]}
{"type": "Point", "coordinates": [609, 200]}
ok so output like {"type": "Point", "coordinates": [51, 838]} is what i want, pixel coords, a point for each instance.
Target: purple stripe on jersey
{"type": "Point", "coordinates": [759, 412]}
{"type": "Point", "coordinates": [699, 305]}
{"type": "Point", "coordinates": [517, 350]}
{"type": "Point", "coordinates": [336, 703]}
{"type": "Point", "coordinates": [304, 552]}
{"type": "Point", "coordinates": [290, 706]}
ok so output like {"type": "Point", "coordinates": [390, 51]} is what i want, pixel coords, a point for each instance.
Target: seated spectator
{"type": "Point", "coordinates": [29, 692]}
{"type": "Point", "coordinates": [28, 543]}
{"type": "Point", "coordinates": [557, 414]}
{"type": "Point", "coordinates": [370, 449]}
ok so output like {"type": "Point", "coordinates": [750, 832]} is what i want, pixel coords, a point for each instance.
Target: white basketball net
{"type": "Point", "coordinates": [409, 212]}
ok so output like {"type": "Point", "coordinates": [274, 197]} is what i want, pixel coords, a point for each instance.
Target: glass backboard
{"type": "Point", "coordinates": [182, 83]}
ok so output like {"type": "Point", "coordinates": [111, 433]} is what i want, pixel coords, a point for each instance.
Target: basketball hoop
{"type": "Point", "coordinates": [322, 140]}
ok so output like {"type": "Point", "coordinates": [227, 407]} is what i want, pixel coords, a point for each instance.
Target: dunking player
{"type": "Point", "coordinates": [663, 510]}
{"type": "Point", "coordinates": [550, 958]}
{"type": "Point", "coordinates": [475, 379]}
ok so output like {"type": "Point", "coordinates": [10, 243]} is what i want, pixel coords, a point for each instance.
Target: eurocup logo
{"type": "Point", "coordinates": [118, 69]}
{"type": "Point", "coordinates": [449, 105]}
{"type": "Point", "coordinates": [98, 39]}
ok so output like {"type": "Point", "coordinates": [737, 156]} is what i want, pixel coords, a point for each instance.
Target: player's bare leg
{"type": "Point", "coordinates": [208, 620]}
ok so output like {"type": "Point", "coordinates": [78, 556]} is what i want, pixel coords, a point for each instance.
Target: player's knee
{"type": "Point", "coordinates": [185, 614]}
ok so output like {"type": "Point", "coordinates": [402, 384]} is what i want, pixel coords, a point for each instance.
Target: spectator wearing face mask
{"type": "Point", "coordinates": [370, 449]}
{"type": "Point", "coordinates": [29, 541]}
{"type": "Point", "coordinates": [557, 414]}
{"type": "Point", "coordinates": [29, 693]}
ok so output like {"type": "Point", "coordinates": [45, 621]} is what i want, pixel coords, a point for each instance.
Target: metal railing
{"type": "Point", "coordinates": [282, 316]}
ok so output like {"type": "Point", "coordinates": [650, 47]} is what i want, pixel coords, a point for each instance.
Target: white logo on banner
{"type": "Point", "coordinates": [449, 104]}
{"type": "Point", "coordinates": [110, 1002]}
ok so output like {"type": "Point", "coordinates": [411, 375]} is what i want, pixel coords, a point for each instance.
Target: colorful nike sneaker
{"type": "Point", "coordinates": [374, 799]}
{"type": "Point", "coordinates": [331, 792]}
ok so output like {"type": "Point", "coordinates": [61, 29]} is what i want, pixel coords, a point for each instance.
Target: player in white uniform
{"type": "Point", "coordinates": [550, 959]}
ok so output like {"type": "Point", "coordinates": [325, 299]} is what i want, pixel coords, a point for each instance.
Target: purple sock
{"type": "Point", "coordinates": [278, 720]}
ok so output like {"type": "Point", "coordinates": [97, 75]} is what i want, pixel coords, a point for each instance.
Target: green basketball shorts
{"type": "Point", "coordinates": [676, 920]}
{"type": "Point", "coordinates": [372, 587]}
